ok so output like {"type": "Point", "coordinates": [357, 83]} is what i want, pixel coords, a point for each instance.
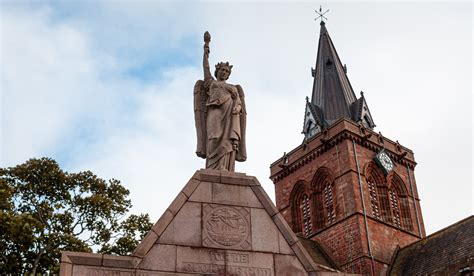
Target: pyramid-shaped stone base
{"type": "Point", "coordinates": [221, 223]}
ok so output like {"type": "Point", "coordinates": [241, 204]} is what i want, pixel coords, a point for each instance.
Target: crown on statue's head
{"type": "Point", "coordinates": [222, 64]}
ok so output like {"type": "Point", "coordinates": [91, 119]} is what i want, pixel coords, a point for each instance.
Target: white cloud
{"type": "Point", "coordinates": [155, 152]}
{"type": "Point", "coordinates": [66, 92]}
{"type": "Point", "coordinates": [43, 68]}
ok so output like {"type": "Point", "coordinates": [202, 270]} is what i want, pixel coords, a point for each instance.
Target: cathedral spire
{"type": "Point", "coordinates": [332, 96]}
{"type": "Point", "coordinates": [332, 91]}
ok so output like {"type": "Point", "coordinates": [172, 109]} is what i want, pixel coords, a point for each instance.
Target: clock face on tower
{"type": "Point", "coordinates": [384, 161]}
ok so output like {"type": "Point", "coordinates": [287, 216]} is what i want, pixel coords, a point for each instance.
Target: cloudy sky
{"type": "Point", "coordinates": [107, 87]}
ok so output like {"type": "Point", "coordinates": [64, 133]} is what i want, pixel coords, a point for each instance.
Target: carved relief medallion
{"type": "Point", "coordinates": [226, 227]}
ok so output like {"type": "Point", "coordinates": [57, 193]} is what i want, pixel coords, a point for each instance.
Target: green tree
{"type": "Point", "coordinates": [44, 210]}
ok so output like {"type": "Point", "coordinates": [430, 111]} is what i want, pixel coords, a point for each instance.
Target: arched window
{"type": "Point", "coordinates": [395, 208]}
{"type": "Point", "coordinates": [301, 209]}
{"type": "Point", "coordinates": [306, 210]}
{"type": "Point", "coordinates": [378, 192]}
{"type": "Point", "coordinates": [323, 198]}
{"type": "Point", "coordinates": [388, 197]}
{"type": "Point", "coordinates": [374, 203]}
{"type": "Point", "coordinates": [399, 203]}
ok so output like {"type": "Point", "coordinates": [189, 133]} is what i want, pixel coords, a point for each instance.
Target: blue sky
{"type": "Point", "coordinates": [107, 86]}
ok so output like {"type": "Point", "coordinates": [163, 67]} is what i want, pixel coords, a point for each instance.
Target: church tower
{"type": "Point", "coordinates": [347, 187]}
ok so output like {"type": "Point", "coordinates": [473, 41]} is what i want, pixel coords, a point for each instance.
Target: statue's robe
{"type": "Point", "coordinates": [217, 128]}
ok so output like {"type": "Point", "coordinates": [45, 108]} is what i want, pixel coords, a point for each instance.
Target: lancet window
{"type": "Point", "coordinates": [301, 209]}
{"type": "Point", "coordinates": [329, 204]}
{"type": "Point", "coordinates": [306, 210]}
{"type": "Point", "coordinates": [378, 192]}
{"type": "Point", "coordinates": [400, 203]}
{"type": "Point", "coordinates": [374, 204]}
{"type": "Point", "coordinates": [395, 209]}
{"type": "Point", "coordinates": [388, 199]}
{"type": "Point", "coordinates": [323, 199]}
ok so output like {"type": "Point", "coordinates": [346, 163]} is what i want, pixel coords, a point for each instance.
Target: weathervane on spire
{"type": "Point", "coordinates": [321, 14]}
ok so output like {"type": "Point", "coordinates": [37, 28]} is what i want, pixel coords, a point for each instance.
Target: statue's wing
{"type": "Point", "coordinates": [200, 113]}
{"type": "Point", "coordinates": [242, 152]}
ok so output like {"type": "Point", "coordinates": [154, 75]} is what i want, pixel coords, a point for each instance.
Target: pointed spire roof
{"type": "Point", "coordinates": [332, 91]}
{"type": "Point", "coordinates": [332, 95]}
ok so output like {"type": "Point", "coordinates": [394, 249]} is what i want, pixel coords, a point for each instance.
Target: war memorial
{"type": "Point", "coordinates": [346, 198]}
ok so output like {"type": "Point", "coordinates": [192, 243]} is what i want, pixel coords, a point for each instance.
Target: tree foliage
{"type": "Point", "coordinates": [44, 210]}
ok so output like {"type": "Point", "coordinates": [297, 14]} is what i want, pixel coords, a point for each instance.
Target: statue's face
{"type": "Point", "coordinates": [223, 73]}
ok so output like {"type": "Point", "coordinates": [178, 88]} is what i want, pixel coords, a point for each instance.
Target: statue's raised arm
{"type": "Point", "coordinates": [205, 58]}
{"type": "Point", "coordinates": [220, 116]}
{"type": "Point", "coordinates": [200, 100]}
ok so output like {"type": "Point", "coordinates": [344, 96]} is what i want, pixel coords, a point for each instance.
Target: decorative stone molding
{"type": "Point", "coordinates": [341, 130]}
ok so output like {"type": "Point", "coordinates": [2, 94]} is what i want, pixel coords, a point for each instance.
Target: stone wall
{"type": "Point", "coordinates": [219, 224]}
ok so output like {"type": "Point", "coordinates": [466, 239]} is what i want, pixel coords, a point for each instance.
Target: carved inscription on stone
{"type": "Point", "coordinates": [230, 257]}
{"type": "Point", "coordinates": [231, 270]}
{"type": "Point", "coordinates": [226, 227]}
{"type": "Point", "coordinates": [224, 262]}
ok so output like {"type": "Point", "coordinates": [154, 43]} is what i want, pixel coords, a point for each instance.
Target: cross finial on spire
{"type": "Point", "coordinates": [321, 14]}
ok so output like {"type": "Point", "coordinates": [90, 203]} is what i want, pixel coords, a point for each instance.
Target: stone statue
{"type": "Point", "coordinates": [220, 116]}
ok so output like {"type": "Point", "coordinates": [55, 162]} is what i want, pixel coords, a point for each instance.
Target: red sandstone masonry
{"type": "Point", "coordinates": [346, 239]}
{"type": "Point", "coordinates": [342, 240]}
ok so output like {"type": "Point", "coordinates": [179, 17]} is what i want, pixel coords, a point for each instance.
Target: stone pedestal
{"type": "Point", "coordinates": [221, 223]}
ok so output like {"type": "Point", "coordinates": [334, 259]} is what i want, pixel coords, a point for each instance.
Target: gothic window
{"type": "Point", "coordinates": [388, 198]}
{"type": "Point", "coordinates": [301, 209]}
{"type": "Point", "coordinates": [400, 203]}
{"type": "Point", "coordinates": [305, 209]}
{"type": "Point", "coordinates": [323, 200]}
{"type": "Point", "coordinates": [378, 193]}
{"type": "Point", "coordinates": [373, 198]}
{"type": "Point", "coordinates": [395, 209]}
{"type": "Point", "coordinates": [329, 204]}
{"type": "Point", "coordinates": [382, 193]}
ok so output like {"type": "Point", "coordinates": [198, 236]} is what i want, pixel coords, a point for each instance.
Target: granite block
{"type": "Point", "coordinates": [190, 187]}
{"type": "Point", "coordinates": [160, 257]}
{"type": "Point", "coordinates": [120, 261]}
{"type": "Point", "coordinates": [145, 245]}
{"type": "Point", "coordinates": [265, 200]}
{"type": "Point", "coordinates": [162, 223]}
{"type": "Point", "coordinates": [203, 193]}
{"type": "Point", "coordinates": [185, 228]}
{"type": "Point", "coordinates": [264, 232]}
{"type": "Point", "coordinates": [177, 203]}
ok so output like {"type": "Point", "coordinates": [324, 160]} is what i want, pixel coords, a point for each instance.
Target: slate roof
{"type": "Point", "coordinates": [332, 91]}
{"type": "Point", "coordinates": [445, 252]}
{"type": "Point", "coordinates": [332, 96]}
{"type": "Point", "coordinates": [360, 110]}
{"type": "Point", "coordinates": [317, 113]}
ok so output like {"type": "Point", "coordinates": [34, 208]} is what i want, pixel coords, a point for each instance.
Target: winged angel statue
{"type": "Point", "coordinates": [220, 116]}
